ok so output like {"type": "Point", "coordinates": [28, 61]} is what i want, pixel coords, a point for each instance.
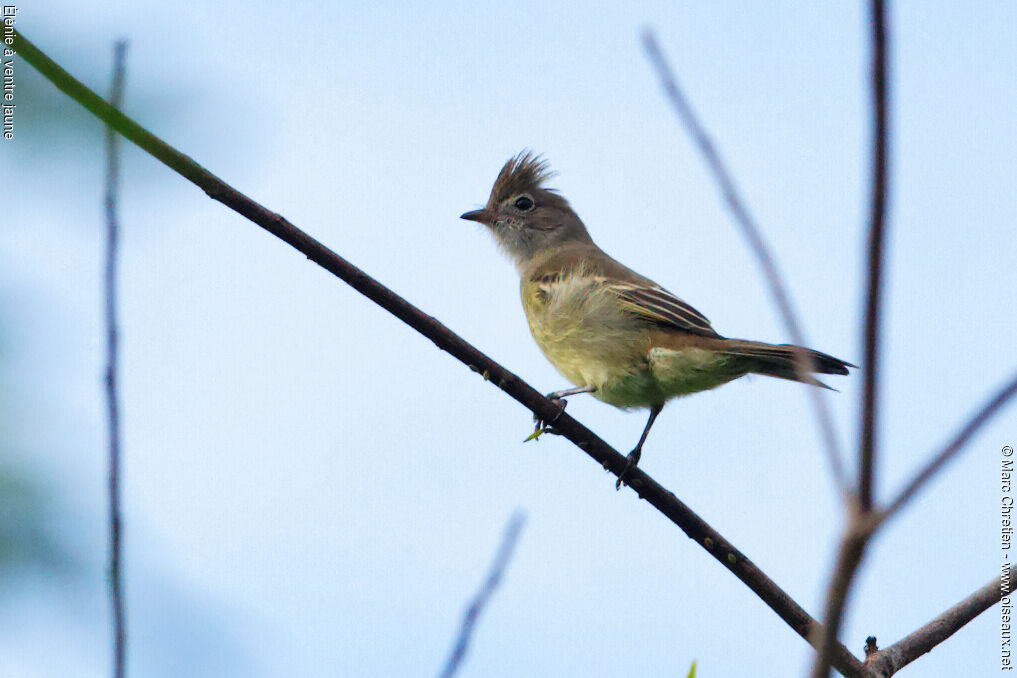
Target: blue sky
{"type": "Point", "coordinates": [314, 489]}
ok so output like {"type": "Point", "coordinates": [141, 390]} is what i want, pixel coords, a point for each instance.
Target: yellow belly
{"type": "Point", "coordinates": [591, 341]}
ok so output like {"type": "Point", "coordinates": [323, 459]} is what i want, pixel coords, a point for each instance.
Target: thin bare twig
{"type": "Point", "coordinates": [952, 448]}
{"type": "Point", "coordinates": [758, 246]}
{"type": "Point", "coordinates": [860, 522]}
{"type": "Point", "coordinates": [892, 659]}
{"type": "Point", "coordinates": [476, 606]}
{"type": "Point", "coordinates": [849, 556]}
{"type": "Point", "coordinates": [877, 238]}
{"type": "Point", "coordinates": [116, 583]}
{"type": "Point", "coordinates": [647, 488]}
{"type": "Point", "coordinates": [863, 525]}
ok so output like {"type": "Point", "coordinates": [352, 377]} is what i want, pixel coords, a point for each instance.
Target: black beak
{"type": "Point", "coordinates": [482, 216]}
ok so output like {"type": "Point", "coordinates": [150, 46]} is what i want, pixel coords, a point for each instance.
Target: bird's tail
{"type": "Point", "coordinates": [779, 360]}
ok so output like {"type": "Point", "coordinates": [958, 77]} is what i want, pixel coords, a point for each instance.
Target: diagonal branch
{"type": "Point", "coordinates": [116, 586]}
{"type": "Point", "coordinates": [952, 448]}
{"type": "Point", "coordinates": [479, 602]}
{"type": "Point", "coordinates": [890, 660]}
{"type": "Point", "coordinates": [647, 488]}
{"type": "Point", "coordinates": [751, 232]}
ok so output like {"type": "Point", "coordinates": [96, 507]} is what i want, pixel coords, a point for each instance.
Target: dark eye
{"type": "Point", "coordinates": [524, 204]}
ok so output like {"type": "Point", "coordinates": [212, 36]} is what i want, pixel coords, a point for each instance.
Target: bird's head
{"type": "Point", "coordinates": [525, 217]}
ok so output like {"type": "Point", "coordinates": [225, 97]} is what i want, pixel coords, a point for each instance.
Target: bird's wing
{"type": "Point", "coordinates": [660, 307]}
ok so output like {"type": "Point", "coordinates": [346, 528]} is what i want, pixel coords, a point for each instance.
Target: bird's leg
{"type": "Point", "coordinates": [559, 399]}
{"type": "Point", "coordinates": [558, 395]}
{"type": "Point", "coordinates": [633, 458]}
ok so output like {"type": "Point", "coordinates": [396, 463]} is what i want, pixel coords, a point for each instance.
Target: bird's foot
{"type": "Point", "coordinates": [543, 426]}
{"type": "Point", "coordinates": [631, 463]}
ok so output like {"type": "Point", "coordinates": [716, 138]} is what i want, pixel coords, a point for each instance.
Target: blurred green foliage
{"type": "Point", "coordinates": [27, 541]}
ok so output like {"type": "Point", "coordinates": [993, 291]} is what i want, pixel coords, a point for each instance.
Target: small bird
{"type": "Point", "coordinates": [613, 333]}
